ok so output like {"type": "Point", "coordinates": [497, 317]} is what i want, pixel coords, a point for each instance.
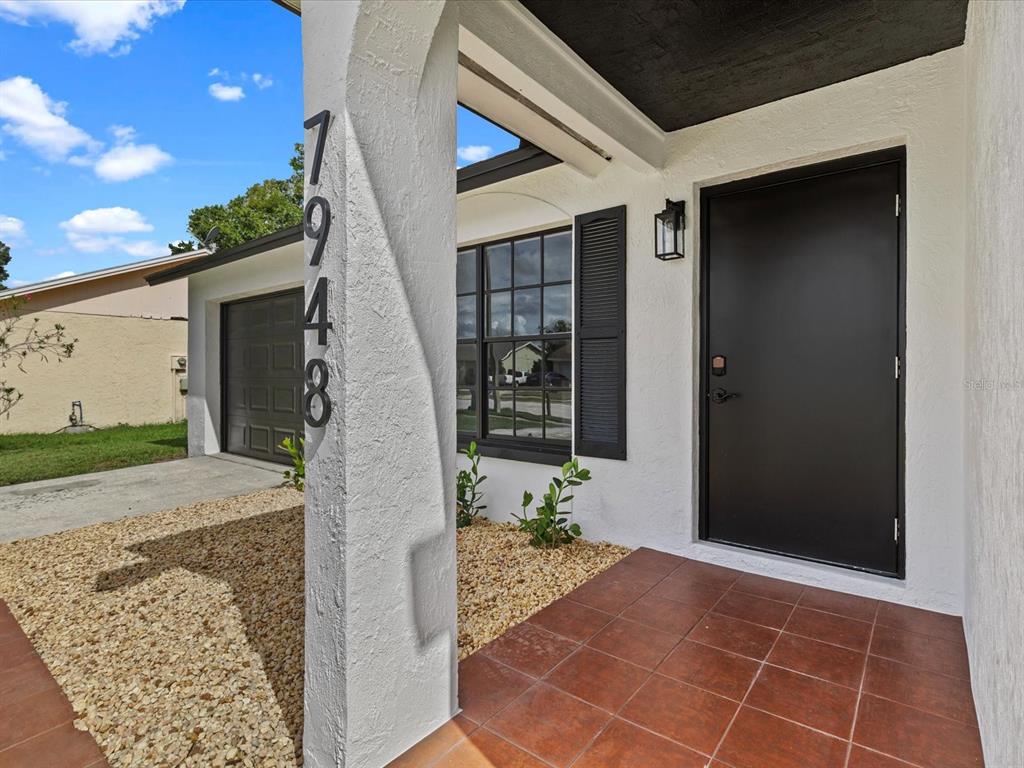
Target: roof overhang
{"type": "Point", "coordinates": [220, 258]}
{"type": "Point", "coordinates": [170, 262]}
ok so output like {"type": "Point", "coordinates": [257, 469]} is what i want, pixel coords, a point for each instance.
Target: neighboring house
{"type": "Point", "coordinates": [825, 388]}
{"type": "Point", "coordinates": [130, 361]}
{"type": "Point", "coordinates": [245, 346]}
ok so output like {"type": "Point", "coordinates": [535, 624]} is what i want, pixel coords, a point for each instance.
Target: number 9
{"type": "Point", "coordinates": [317, 233]}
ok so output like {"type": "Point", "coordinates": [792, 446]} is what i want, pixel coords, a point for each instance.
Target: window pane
{"type": "Point", "coordinates": [500, 313]}
{"type": "Point", "coordinates": [558, 257]}
{"type": "Point", "coordinates": [558, 415]}
{"type": "Point", "coordinates": [527, 261]}
{"type": "Point", "coordinates": [527, 305]}
{"type": "Point", "coordinates": [467, 317]}
{"type": "Point", "coordinates": [465, 410]}
{"type": "Point", "coordinates": [498, 259]}
{"type": "Point", "coordinates": [529, 412]}
{"type": "Point", "coordinates": [558, 364]}
{"type": "Point", "coordinates": [557, 309]}
{"type": "Point", "coordinates": [465, 271]}
{"type": "Point", "coordinates": [528, 364]}
{"type": "Point", "coordinates": [500, 365]}
{"type": "Point", "coordinates": [465, 365]}
{"type": "Point", "coordinates": [499, 412]}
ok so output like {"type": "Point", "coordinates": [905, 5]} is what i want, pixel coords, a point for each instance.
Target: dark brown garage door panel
{"type": "Point", "coordinates": [263, 348]}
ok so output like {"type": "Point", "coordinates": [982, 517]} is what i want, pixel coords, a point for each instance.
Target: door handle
{"type": "Point", "coordinates": [719, 395]}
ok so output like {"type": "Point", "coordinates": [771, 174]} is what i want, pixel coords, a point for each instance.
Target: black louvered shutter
{"type": "Point", "coordinates": [601, 333]}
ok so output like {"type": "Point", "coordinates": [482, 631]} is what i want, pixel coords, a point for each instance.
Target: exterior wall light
{"type": "Point", "coordinates": [668, 231]}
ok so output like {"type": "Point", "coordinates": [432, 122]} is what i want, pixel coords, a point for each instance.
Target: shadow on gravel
{"type": "Point", "coordinates": [261, 559]}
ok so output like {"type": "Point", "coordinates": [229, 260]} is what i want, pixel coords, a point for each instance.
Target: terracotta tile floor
{"type": "Point", "coordinates": [36, 727]}
{"type": "Point", "coordinates": [664, 663]}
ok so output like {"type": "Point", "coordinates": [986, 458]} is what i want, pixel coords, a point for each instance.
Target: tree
{"type": "Point", "coordinates": [23, 339]}
{"type": "Point", "coordinates": [5, 259]}
{"type": "Point", "coordinates": [264, 208]}
{"type": "Point", "coordinates": [182, 246]}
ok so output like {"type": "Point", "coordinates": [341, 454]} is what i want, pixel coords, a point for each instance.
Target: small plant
{"type": "Point", "coordinates": [550, 528]}
{"type": "Point", "coordinates": [296, 476]}
{"type": "Point", "coordinates": [467, 489]}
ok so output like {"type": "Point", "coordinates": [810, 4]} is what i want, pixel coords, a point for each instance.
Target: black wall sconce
{"type": "Point", "coordinates": [668, 231]}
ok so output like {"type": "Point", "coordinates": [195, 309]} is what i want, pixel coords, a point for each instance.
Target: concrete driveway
{"type": "Point", "coordinates": [34, 509]}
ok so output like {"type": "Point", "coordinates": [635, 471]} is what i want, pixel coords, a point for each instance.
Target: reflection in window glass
{"type": "Point", "coordinates": [558, 415]}
{"type": "Point", "coordinates": [558, 364]}
{"type": "Point", "coordinates": [499, 313]}
{"type": "Point", "coordinates": [527, 261]}
{"type": "Point", "coordinates": [466, 316]}
{"type": "Point", "coordinates": [557, 309]}
{"type": "Point", "coordinates": [498, 261]}
{"type": "Point", "coordinates": [501, 364]}
{"type": "Point", "coordinates": [527, 306]}
{"type": "Point", "coordinates": [558, 257]}
{"type": "Point", "coordinates": [465, 365]}
{"type": "Point", "coordinates": [465, 272]}
{"type": "Point", "coordinates": [465, 409]}
{"type": "Point", "coordinates": [529, 412]}
{"type": "Point", "coordinates": [523, 341]}
{"type": "Point", "coordinates": [500, 412]}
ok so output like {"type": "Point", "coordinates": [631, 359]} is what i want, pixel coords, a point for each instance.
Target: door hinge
{"type": "Point", "coordinates": [897, 204]}
{"type": "Point", "coordinates": [897, 366]}
{"type": "Point", "coordinates": [896, 530]}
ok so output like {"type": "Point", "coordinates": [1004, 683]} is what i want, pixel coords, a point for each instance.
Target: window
{"type": "Point", "coordinates": [514, 347]}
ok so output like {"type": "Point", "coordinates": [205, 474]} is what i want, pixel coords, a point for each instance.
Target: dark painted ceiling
{"type": "Point", "coordinates": [683, 62]}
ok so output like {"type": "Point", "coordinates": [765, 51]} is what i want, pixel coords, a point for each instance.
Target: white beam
{"type": "Point", "coordinates": [513, 46]}
{"type": "Point", "coordinates": [380, 539]}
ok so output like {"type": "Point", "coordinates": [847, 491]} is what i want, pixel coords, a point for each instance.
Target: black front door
{"type": "Point", "coordinates": [801, 335]}
{"type": "Point", "coordinates": [263, 374]}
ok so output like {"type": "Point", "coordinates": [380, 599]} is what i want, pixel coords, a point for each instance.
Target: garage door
{"type": "Point", "coordinates": [263, 362]}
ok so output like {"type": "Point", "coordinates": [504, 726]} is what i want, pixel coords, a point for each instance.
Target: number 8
{"type": "Point", "coordinates": [316, 388]}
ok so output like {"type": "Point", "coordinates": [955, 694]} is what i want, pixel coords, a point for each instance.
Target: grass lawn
{"type": "Point", "coordinates": [31, 456]}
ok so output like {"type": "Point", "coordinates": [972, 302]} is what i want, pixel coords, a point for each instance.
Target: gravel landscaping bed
{"type": "Point", "coordinates": [503, 580]}
{"type": "Point", "coordinates": [177, 636]}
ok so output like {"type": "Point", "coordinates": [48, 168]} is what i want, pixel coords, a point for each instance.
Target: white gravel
{"type": "Point", "coordinates": [177, 636]}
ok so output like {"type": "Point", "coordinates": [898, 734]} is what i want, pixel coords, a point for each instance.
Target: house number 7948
{"type": "Point", "coordinates": [316, 312]}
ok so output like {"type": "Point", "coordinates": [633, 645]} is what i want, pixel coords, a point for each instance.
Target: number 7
{"type": "Point", "coordinates": [323, 119]}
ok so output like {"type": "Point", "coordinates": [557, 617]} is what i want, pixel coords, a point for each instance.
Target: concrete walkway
{"type": "Point", "coordinates": [35, 509]}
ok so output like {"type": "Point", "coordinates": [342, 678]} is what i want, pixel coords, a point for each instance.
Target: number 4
{"type": "Point", "coordinates": [318, 309]}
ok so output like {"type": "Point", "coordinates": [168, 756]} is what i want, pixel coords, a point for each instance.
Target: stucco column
{"type": "Point", "coordinates": [380, 540]}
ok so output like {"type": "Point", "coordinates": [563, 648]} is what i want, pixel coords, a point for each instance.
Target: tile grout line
{"type": "Point", "coordinates": [650, 674]}
{"type": "Point", "coordinates": [542, 679]}
{"type": "Point", "coordinates": [860, 690]}
{"type": "Point", "coordinates": [750, 687]}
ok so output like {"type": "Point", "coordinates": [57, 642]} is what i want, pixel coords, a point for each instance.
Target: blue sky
{"type": "Point", "coordinates": [116, 121]}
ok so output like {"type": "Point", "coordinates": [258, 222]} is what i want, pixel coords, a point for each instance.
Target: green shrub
{"type": "Point", "coordinates": [467, 489]}
{"type": "Point", "coordinates": [297, 475]}
{"type": "Point", "coordinates": [550, 528]}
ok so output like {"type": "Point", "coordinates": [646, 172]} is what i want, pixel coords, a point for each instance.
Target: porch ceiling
{"type": "Point", "coordinates": [684, 62]}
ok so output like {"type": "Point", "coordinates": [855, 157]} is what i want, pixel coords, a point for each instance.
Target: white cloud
{"type": "Point", "coordinates": [145, 249]}
{"type": "Point", "coordinates": [214, 72]}
{"type": "Point", "coordinates": [123, 134]}
{"type": "Point", "coordinates": [11, 227]}
{"type": "Point", "coordinates": [262, 81]}
{"type": "Point", "coordinates": [130, 161]}
{"type": "Point", "coordinates": [222, 92]}
{"type": "Point", "coordinates": [35, 119]}
{"type": "Point", "coordinates": [102, 229]}
{"type": "Point", "coordinates": [474, 153]}
{"type": "Point", "coordinates": [101, 26]}
{"type": "Point", "coordinates": [103, 220]}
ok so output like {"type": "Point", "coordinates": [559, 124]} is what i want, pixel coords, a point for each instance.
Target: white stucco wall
{"type": "Point", "coordinates": [994, 612]}
{"type": "Point", "coordinates": [380, 634]}
{"type": "Point", "coordinates": [276, 270]}
{"type": "Point", "coordinates": [650, 499]}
